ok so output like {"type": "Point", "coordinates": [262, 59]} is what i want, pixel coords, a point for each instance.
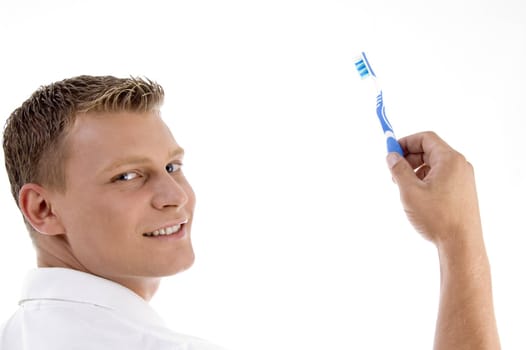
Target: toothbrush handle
{"type": "Point", "coordinates": [394, 146]}
{"type": "Point", "coordinates": [392, 143]}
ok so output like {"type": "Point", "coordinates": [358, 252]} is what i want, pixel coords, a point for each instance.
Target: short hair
{"type": "Point", "coordinates": [35, 133]}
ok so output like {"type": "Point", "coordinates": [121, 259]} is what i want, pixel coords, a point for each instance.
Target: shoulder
{"type": "Point", "coordinates": [62, 325]}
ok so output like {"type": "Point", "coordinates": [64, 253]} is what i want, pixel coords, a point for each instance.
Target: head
{"type": "Point", "coordinates": [97, 175]}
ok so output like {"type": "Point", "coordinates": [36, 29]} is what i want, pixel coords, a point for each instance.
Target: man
{"type": "Point", "coordinates": [97, 176]}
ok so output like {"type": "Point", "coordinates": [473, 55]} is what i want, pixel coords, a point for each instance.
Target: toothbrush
{"type": "Point", "coordinates": [365, 71]}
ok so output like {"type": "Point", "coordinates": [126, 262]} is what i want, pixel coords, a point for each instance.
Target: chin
{"type": "Point", "coordinates": [179, 265]}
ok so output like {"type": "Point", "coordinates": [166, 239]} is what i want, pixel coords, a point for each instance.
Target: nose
{"type": "Point", "coordinates": [170, 192]}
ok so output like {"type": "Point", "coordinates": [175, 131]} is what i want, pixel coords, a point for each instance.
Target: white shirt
{"type": "Point", "coordinates": [64, 309]}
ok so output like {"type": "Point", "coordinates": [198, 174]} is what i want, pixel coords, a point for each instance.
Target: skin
{"type": "Point", "coordinates": [123, 179]}
{"type": "Point", "coordinates": [438, 192]}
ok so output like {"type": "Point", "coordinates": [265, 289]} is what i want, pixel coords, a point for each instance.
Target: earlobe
{"type": "Point", "coordinates": [38, 211]}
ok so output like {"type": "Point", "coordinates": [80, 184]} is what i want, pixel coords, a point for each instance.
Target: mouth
{"type": "Point", "coordinates": [167, 231]}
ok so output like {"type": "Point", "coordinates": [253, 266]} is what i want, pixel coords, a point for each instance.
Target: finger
{"type": "Point", "coordinates": [401, 170]}
{"type": "Point", "coordinates": [421, 142]}
{"type": "Point", "coordinates": [428, 143]}
{"type": "Point", "coordinates": [415, 159]}
{"type": "Point", "coordinates": [422, 171]}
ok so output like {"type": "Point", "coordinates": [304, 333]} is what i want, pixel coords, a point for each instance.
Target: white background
{"type": "Point", "coordinates": [300, 238]}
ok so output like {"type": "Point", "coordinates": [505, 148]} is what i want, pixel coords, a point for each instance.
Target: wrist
{"type": "Point", "coordinates": [464, 254]}
{"type": "Point", "coordinates": [466, 316]}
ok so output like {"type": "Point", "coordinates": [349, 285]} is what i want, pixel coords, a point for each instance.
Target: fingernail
{"type": "Point", "coordinates": [392, 159]}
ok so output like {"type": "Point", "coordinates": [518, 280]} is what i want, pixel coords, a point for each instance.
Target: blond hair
{"type": "Point", "coordinates": [34, 134]}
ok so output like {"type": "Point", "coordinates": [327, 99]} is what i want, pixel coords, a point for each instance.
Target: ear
{"type": "Point", "coordinates": [36, 206]}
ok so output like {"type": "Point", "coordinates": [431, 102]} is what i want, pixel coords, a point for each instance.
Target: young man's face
{"type": "Point", "coordinates": [125, 196]}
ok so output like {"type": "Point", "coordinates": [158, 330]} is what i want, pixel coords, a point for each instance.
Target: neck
{"type": "Point", "coordinates": [145, 287]}
{"type": "Point", "coordinates": [57, 254]}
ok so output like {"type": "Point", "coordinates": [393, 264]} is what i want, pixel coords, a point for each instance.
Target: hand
{"type": "Point", "coordinates": [437, 189]}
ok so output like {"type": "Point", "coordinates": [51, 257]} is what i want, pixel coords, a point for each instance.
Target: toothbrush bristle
{"type": "Point", "coordinates": [362, 68]}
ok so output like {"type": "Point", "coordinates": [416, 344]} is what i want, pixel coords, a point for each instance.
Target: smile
{"type": "Point", "coordinates": [166, 231]}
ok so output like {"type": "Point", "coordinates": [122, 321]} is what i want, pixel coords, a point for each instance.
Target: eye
{"type": "Point", "coordinates": [173, 167]}
{"type": "Point", "coordinates": [130, 175]}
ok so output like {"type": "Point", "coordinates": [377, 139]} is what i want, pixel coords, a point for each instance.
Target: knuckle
{"type": "Point", "coordinates": [470, 167]}
{"type": "Point", "coordinates": [431, 134]}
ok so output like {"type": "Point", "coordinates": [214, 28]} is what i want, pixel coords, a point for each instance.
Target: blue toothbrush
{"type": "Point", "coordinates": [365, 71]}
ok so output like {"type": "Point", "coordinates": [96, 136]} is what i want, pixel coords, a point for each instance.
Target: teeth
{"type": "Point", "coordinates": [164, 231]}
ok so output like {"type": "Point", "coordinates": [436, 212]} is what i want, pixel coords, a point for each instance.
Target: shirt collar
{"type": "Point", "coordinates": [57, 283]}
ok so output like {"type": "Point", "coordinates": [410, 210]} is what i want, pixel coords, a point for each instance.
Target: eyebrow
{"type": "Point", "coordinates": [177, 152]}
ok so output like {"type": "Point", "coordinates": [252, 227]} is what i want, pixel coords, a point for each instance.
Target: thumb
{"type": "Point", "coordinates": [400, 169]}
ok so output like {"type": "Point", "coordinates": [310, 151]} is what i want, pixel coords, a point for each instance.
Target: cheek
{"type": "Point", "coordinates": [102, 230]}
{"type": "Point", "coordinates": [102, 214]}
